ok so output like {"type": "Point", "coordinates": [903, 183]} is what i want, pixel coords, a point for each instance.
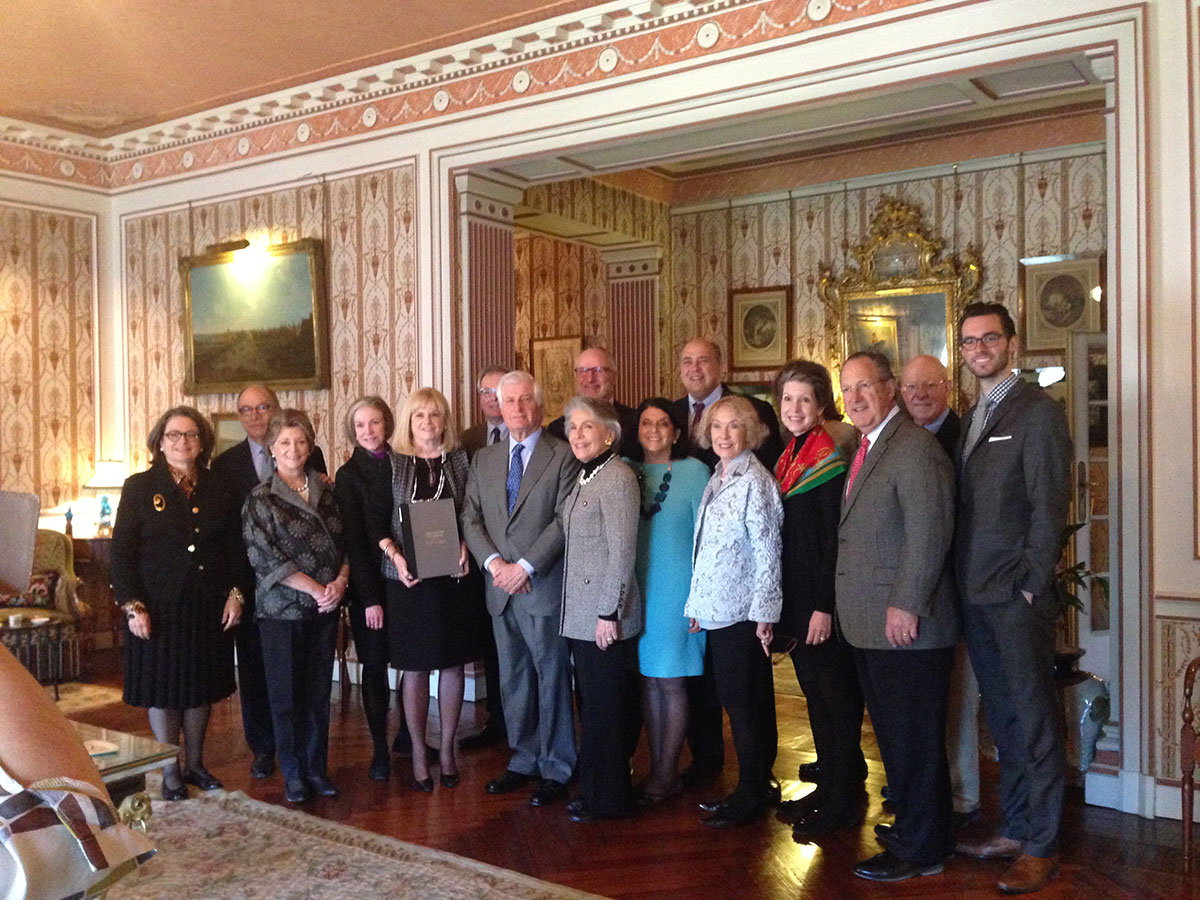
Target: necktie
{"type": "Point", "coordinates": [495, 434]}
{"type": "Point", "coordinates": [515, 471]}
{"type": "Point", "coordinates": [857, 463]}
{"type": "Point", "coordinates": [982, 411]}
{"type": "Point", "coordinates": [697, 414]}
{"type": "Point", "coordinates": [265, 468]}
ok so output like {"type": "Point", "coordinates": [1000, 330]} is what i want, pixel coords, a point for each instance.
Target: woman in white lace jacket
{"type": "Point", "coordinates": [736, 597]}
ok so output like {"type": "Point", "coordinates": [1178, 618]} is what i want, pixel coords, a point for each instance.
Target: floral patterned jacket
{"type": "Point", "coordinates": [285, 535]}
{"type": "Point", "coordinates": [737, 545]}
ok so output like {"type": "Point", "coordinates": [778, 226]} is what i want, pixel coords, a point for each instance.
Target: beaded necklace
{"type": "Point", "coordinates": [659, 496]}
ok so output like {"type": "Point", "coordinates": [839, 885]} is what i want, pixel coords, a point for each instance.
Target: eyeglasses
{"type": "Point", "coordinates": [591, 370]}
{"type": "Point", "coordinates": [486, 392]}
{"type": "Point", "coordinates": [176, 436]}
{"type": "Point", "coordinates": [912, 387]}
{"type": "Point", "coordinates": [262, 407]}
{"type": "Point", "coordinates": [991, 339]}
{"type": "Point", "coordinates": [860, 387]}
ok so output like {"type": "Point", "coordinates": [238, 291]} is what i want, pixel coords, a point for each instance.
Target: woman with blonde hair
{"type": "Point", "coordinates": [433, 623]}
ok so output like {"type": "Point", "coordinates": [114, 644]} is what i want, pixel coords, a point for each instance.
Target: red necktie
{"type": "Point", "coordinates": [699, 414]}
{"type": "Point", "coordinates": [857, 463]}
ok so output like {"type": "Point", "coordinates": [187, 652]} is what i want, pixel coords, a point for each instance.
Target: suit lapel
{"type": "Point", "coordinates": [1003, 413]}
{"type": "Point", "coordinates": [873, 456]}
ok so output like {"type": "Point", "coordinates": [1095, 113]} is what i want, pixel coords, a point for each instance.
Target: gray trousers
{"type": "Point", "coordinates": [962, 733]}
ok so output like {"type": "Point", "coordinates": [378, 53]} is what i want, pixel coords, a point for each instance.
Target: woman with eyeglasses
{"type": "Point", "coordinates": [171, 543]}
{"type": "Point", "coordinates": [811, 473]}
{"type": "Point", "coordinates": [735, 597]}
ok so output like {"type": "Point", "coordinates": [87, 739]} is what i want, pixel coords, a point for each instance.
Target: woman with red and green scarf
{"type": "Point", "coordinates": [812, 476]}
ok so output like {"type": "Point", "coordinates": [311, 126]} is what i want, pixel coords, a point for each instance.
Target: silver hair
{"type": "Point", "coordinates": [602, 411]}
{"type": "Point", "coordinates": [519, 377]}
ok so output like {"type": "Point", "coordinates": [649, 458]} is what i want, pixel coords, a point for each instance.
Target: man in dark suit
{"type": "Point", "coordinates": [241, 468]}
{"type": "Point", "coordinates": [510, 523]}
{"type": "Point", "coordinates": [596, 377]}
{"type": "Point", "coordinates": [1013, 503]}
{"type": "Point", "coordinates": [896, 606]}
{"type": "Point", "coordinates": [491, 430]}
{"type": "Point", "coordinates": [700, 367]}
{"type": "Point", "coordinates": [925, 387]}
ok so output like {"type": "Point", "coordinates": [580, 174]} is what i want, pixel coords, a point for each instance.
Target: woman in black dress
{"type": "Point", "coordinates": [361, 482]}
{"type": "Point", "coordinates": [170, 545]}
{"type": "Point", "coordinates": [432, 623]}
{"type": "Point", "coordinates": [812, 477]}
{"type": "Point", "coordinates": [293, 532]}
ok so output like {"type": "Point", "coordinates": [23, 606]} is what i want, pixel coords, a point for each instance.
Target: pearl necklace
{"type": "Point", "coordinates": [659, 496]}
{"type": "Point", "coordinates": [585, 479]}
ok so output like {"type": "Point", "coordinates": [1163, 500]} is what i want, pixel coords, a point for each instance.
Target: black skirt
{"type": "Point", "coordinates": [435, 624]}
{"type": "Point", "coordinates": [187, 660]}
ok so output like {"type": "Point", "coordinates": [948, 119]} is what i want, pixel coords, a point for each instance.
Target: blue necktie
{"type": "Point", "coordinates": [515, 471]}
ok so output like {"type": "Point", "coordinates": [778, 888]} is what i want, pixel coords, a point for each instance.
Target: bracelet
{"type": "Point", "coordinates": [237, 597]}
{"type": "Point", "coordinates": [133, 608]}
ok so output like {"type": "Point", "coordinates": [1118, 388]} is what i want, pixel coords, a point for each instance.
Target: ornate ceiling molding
{"type": "Point", "coordinates": [611, 40]}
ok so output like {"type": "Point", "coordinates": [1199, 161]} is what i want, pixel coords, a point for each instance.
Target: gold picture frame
{"type": "Point", "coordinates": [228, 432]}
{"type": "Point", "coordinates": [554, 368]}
{"type": "Point", "coordinates": [256, 315]}
{"type": "Point", "coordinates": [760, 333]}
{"type": "Point", "coordinates": [1059, 295]}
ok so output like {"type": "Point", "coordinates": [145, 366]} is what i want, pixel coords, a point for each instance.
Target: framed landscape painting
{"type": "Point", "coordinates": [256, 315]}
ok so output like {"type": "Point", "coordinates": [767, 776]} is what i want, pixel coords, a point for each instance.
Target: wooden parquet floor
{"type": "Point", "coordinates": [666, 852]}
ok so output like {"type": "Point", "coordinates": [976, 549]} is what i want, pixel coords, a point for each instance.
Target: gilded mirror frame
{"type": "Point", "coordinates": [896, 259]}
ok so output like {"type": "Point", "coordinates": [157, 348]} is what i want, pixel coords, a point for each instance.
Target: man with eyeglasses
{"type": "Point", "coordinates": [242, 467]}
{"type": "Point", "coordinates": [896, 607]}
{"type": "Point", "coordinates": [492, 429]}
{"type": "Point", "coordinates": [596, 377]}
{"type": "Point", "coordinates": [925, 387]}
{"type": "Point", "coordinates": [1014, 465]}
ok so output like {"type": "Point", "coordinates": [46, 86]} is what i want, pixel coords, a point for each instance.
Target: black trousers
{"type": "Point", "coordinates": [744, 684]}
{"type": "Point", "coordinates": [298, 656]}
{"type": "Point", "coordinates": [1012, 650]}
{"type": "Point", "coordinates": [252, 686]}
{"type": "Point", "coordinates": [829, 679]}
{"type": "Point", "coordinates": [706, 724]}
{"type": "Point", "coordinates": [907, 693]}
{"type": "Point", "coordinates": [602, 677]}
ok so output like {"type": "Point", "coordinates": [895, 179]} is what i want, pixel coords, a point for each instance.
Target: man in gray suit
{"type": "Point", "coordinates": [1013, 501]}
{"type": "Point", "coordinates": [510, 524]}
{"type": "Point", "coordinates": [895, 604]}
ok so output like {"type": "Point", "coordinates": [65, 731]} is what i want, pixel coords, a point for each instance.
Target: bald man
{"type": "Point", "coordinates": [596, 377]}
{"type": "Point", "coordinates": [925, 386]}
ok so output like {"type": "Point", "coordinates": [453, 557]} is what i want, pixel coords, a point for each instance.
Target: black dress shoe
{"type": "Point", "coordinates": [174, 793]}
{"type": "Point", "coordinates": [886, 866]}
{"type": "Point", "coordinates": [547, 792]}
{"type": "Point", "coordinates": [449, 779]}
{"type": "Point", "coordinates": [201, 778]}
{"type": "Point", "coordinates": [810, 772]}
{"type": "Point", "coordinates": [323, 786]}
{"type": "Point", "coordinates": [884, 834]}
{"type": "Point", "coordinates": [296, 792]}
{"type": "Point", "coordinates": [583, 815]}
{"type": "Point", "coordinates": [508, 782]}
{"type": "Point", "coordinates": [422, 785]}
{"type": "Point", "coordinates": [381, 767]}
{"type": "Point", "coordinates": [575, 805]}
{"type": "Point", "coordinates": [826, 820]}
{"type": "Point", "coordinates": [488, 737]}
{"type": "Point", "coordinates": [774, 792]}
{"type": "Point", "coordinates": [263, 765]}
{"type": "Point", "coordinates": [692, 777]}
{"type": "Point", "coordinates": [792, 811]}
{"type": "Point", "coordinates": [715, 806]}
{"type": "Point", "coordinates": [731, 818]}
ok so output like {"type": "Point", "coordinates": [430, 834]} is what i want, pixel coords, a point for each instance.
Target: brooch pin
{"type": "Point", "coordinates": [160, 502]}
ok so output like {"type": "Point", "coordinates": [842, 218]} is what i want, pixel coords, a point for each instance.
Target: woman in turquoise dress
{"type": "Point", "coordinates": [671, 485]}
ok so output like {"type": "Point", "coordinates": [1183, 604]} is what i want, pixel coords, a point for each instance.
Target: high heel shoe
{"type": "Point", "coordinates": [449, 779]}
{"type": "Point", "coordinates": [201, 778]}
{"type": "Point", "coordinates": [423, 785]}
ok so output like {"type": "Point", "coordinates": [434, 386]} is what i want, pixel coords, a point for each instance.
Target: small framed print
{"type": "Point", "coordinates": [228, 430]}
{"type": "Point", "coordinates": [1059, 295]}
{"type": "Point", "coordinates": [554, 368]}
{"type": "Point", "coordinates": [759, 328]}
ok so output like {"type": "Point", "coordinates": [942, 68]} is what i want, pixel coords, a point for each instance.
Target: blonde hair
{"type": "Point", "coordinates": [424, 398]}
{"type": "Point", "coordinates": [756, 431]}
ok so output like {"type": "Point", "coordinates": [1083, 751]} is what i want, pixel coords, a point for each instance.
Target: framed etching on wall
{"type": "Point", "coordinates": [554, 368]}
{"type": "Point", "coordinates": [759, 328]}
{"type": "Point", "coordinates": [228, 430]}
{"type": "Point", "coordinates": [256, 315]}
{"type": "Point", "coordinates": [1059, 295]}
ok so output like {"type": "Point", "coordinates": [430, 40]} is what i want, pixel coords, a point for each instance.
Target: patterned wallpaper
{"type": "Point", "coordinates": [1050, 207]}
{"type": "Point", "coordinates": [1177, 642]}
{"type": "Point", "coordinates": [368, 225]}
{"type": "Point", "coordinates": [562, 291]}
{"type": "Point", "coordinates": [47, 292]}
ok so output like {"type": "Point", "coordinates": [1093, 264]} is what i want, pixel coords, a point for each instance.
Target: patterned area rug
{"type": "Point", "coordinates": [226, 845]}
{"type": "Point", "coordinates": [77, 696]}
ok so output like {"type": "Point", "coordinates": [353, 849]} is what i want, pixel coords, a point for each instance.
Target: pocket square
{"type": "Point", "coordinates": [1001, 437]}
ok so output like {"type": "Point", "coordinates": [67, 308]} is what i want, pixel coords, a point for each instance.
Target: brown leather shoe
{"type": "Point", "coordinates": [1029, 874]}
{"type": "Point", "coordinates": [995, 847]}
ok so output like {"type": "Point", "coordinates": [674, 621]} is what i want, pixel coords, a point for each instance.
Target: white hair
{"type": "Point", "coordinates": [522, 378]}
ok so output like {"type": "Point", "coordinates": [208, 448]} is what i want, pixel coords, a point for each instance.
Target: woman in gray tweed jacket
{"type": "Point", "coordinates": [602, 609]}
